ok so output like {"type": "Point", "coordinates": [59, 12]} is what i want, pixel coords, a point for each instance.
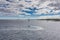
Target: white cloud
{"type": "Point", "coordinates": [16, 6]}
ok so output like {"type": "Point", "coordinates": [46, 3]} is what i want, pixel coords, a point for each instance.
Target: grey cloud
{"type": "Point", "coordinates": [21, 6]}
{"type": "Point", "coordinates": [5, 10]}
{"type": "Point", "coordinates": [57, 5]}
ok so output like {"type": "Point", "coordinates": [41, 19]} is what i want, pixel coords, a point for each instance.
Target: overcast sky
{"type": "Point", "coordinates": [16, 6]}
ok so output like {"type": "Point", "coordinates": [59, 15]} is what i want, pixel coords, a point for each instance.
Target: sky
{"type": "Point", "coordinates": [28, 7]}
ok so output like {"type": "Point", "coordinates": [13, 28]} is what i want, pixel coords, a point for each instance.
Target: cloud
{"type": "Point", "coordinates": [16, 6]}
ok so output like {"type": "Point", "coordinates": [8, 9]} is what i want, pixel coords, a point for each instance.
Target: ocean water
{"type": "Point", "coordinates": [51, 30]}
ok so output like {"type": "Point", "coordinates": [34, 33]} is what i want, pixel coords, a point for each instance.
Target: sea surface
{"type": "Point", "coordinates": [11, 30]}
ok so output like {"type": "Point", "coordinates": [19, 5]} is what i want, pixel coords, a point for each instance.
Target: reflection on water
{"type": "Point", "coordinates": [51, 30]}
